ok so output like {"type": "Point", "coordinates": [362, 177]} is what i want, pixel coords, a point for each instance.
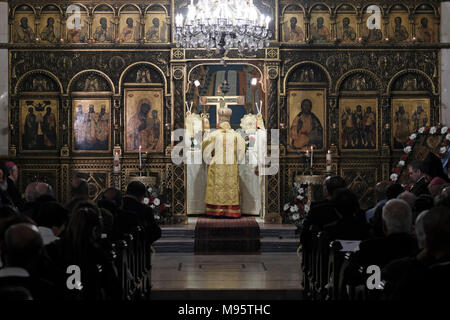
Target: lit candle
{"type": "Point", "coordinates": [329, 161]}
{"type": "Point", "coordinates": [116, 162]}
{"type": "Point", "coordinates": [312, 153]}
{"type": "Point", "coordinates": [140, 158]}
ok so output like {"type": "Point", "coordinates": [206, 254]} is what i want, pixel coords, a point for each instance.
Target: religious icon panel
{"type": "Point", "coordinates": [358, 124]}
{"type": "Point", "coordinates": [156, 25]}
{"type": "Point", "coordinates": [103, 27]}
{"type": "Point", "coordinates": [425, 29]}
{"type": "Point", "coordinates": [129, 25]}
{"type": "Point", "coordinates": [372, 27]}
{"type": "Point", "coordinates": [23, 26]}
{"type": "Point", "coordinates": [144, 120]}
{"type": "Point", "coordinates": [320, 26]}
{"type": "Point", "coordinates": [306, 117]}
{"type": "Point", "coordinates": [346, 28]}
{"type": "Point", "coordinates": [399, 27]}
{"type": "Point", "coordinates": [293, 25]}
{"type": "Point", "coordinates": [407, 115]}
{"type": "Point", "coordinates": [50, 31]}
{"type": "Point", "coordinates": [77, 27]}
{"type": "Point", "coordinates": [38, 124]}
{"type": "Point", "coordinates": [91, 119]}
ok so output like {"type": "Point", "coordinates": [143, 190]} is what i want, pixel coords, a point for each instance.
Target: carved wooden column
{"type": "Point", "coordinates": [178, 72]}
{"type": "Point", "coordinates": [273, 181]}
{"type": "Point", "coordinates": [65, 125]}
{"type": "Point", "coordinates": [118, 129]}
{"type": "Point", "coordinates": [13, 129]}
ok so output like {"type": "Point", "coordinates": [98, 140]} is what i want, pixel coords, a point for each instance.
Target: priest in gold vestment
{"type": "Point", "coordinates": [225, 148]}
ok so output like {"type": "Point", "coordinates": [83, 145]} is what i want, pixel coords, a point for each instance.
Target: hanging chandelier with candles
{"type": "Point", "coordinates": [222, 25]}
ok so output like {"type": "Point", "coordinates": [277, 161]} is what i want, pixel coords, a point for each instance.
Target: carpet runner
{"type": "Point", "coordinates": [219, 236]}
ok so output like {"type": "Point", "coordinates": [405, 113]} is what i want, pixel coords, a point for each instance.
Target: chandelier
{"type": "Point", "coordinates": [222, 24]}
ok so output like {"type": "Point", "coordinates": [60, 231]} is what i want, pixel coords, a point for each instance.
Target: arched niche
{"type": "Point", "coordinates": [293, 24]}
{"type": "Point", "coordinates": [103, 24]}
{"type": "Point", "coordinates": [129, 24]}
{"type": "Point", "coordinates": [90, 82]}
{"type": "Point", "coordinates": [320, 27]}
{"type": "Point", "coordinates": [37, 95]}
{"type": "Point", "coordinates": [38, 81]}
{"type": "Point", "coordinates": [50, 27]}
{"type": "Point", "coordinates": [143, 88]}
{"type": "Point", "coordinates": [157, 24]}
{"type": "Point", "coordinates": [23, 28]}
{"type": "Point", "coordinates": [241, 96]}
{"type": "Point", "coordinates": [76, 28]}
{"type": "Point", "coordinates": [412, 105]}
{"type": "Point", "coordinates": [346, 23]}
{"type": "Point", "coordinates": [426, 23]}
{"type": "Point", "coordinates": [359, 110]}
{"type": "Point", "coordinates": [399, 28]}
{"type": "Point", "coordinates": [306, 87]}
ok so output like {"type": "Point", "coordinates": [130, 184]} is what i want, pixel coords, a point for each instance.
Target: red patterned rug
{"type": "Point", "coordinates": [234, 236]}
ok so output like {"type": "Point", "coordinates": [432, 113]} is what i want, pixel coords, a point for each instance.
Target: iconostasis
{"type": "Point", "coordinates": [93, 81]}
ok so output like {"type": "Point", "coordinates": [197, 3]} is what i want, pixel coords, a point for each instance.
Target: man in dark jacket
{"type": "Point", "coordinates": [398, 242]}
{"type": "Point", "coordinates": [417, 175]}
{"type": "Point", "coordinates": [138, 213]}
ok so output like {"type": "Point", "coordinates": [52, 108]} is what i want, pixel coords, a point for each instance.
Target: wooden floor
{"type": "Point", "coordinates": [263, 276]}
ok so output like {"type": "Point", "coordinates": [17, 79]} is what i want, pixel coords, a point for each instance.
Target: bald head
{"type": "Point", "coordinates": [409, 197]}
{"type": "Point", "coordinates": [397, 217]}
{"type": "Point", "coordinates": [44, 189]}
{"type": "Point", "coordinates": [30, 192]}
{"type": "Point", "coordinates": [23, 244]}
{"type": "Point", "coordinates": [36, 189]}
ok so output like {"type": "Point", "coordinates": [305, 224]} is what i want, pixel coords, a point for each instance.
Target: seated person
{"type": "Point", "coordinates": [380, 196]}
{"type": "Point", "coordinates": [432, 281]}
{"type": "Point", "coordinates": [395, 270]}
{"type": "Point", "coordinates": [138, 213]}
{"type": "Point", "coordinates": [376, 223]}
{"type": "Point", "coordinates": [397, 243]}
{"type": "Point", "coordinates": [351, 223]}
{"type": "Point", "coordinates": [22, 247]}
{"type": "Point", "coordinates": [322, 212]}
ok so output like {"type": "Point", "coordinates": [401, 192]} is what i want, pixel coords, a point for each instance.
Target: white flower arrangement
{"type": "Point", "coordinates": [146, 200]}
{"type": "Point", "coordinates": [286, 207]}
{"type": "Point", "coordinates": [443, 150]}
{"type": "Point", "coordinates": [295, 216]}
{"type": "Point", "coordinates": [156, 201]}
{"type": "Point", "coordinates": [300, 197]}
{"type": "Point", "coordinates": [306, 208]}
{"type": "Point", "coordinates": [150, 190]}
{"type": "Point", "coordinates": [422, 130]}
{"type": "Point", "coordinates": [413, 136]}
{"type": "Point", "coordinates": [444, 130]}
{"type": "Point", "coordinates": [301, 190]}
{"type": "Point", "coordinates": [447, 137]}
{"type": "Point", "coordinates": [408, 149]}
{"type": "Point", "coordinates": [152, 206]}
{"type": "Point", "coordinates": [401, 163]}
{"type": "Point", "coordinates": [294, 208]}
{"type": "Point", "coordinates": [394, 177]}
{"type": "Point", "coordinates": [433, 130]}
